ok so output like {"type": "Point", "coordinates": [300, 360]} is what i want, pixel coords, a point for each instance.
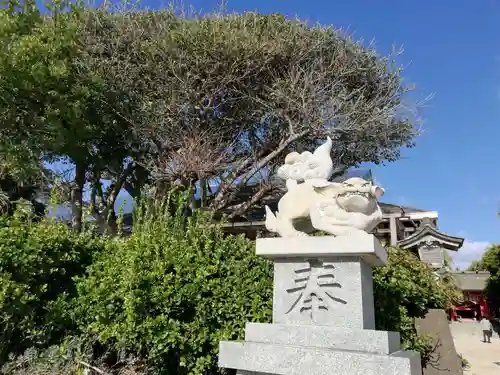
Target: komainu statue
{"type": "Point", "coordinates": [312, 202]}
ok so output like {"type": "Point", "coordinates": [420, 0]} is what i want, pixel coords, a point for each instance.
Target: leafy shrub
{"type": "Point", "coordinates": [37, 264]}
{"type": "Point", "coordinates": [404, 290]}
{"type": "Point", "coordinates": [490, 261]}
{"type": "Point", "coordinates": [164, 297]}
{"type": "Point", "coordinates": [173, 290]}
{"type": "Point", "coordinates": [51, 361]}
{"type": "Point", "coordinates": [74, 356]}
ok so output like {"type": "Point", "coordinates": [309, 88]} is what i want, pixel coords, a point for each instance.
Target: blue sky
{"type": "Point", "coordinates": [452, 51]}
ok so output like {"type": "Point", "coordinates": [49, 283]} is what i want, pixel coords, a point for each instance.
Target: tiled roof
{"type": "Point", "coordinates": [426, 231]}
{"type": "Point", "coordinates": [471, 280]}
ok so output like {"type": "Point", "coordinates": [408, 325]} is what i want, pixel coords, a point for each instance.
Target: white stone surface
{"type": "Point", "coordinates": [336, 291]}
{"type": "Point", "coordinates": [297, 360]}
{"type": "Point", "coordinates": [339, 209]}
{"type": "Point", "coordinates": [323, 313]}
{"type": "Point", "coordinates": [363, 245]}
{"type": "Point", "coordinates": [368, 341]}
{"type": "Point", "coordinates": [413, 358]}
{"type": "Point", "coordinates": [335, 208]}
{"type": "Point", "coordinates": [307, 165]}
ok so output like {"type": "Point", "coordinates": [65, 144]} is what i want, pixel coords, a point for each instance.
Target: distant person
{"type": "Point", "coordinates": [487, 329]}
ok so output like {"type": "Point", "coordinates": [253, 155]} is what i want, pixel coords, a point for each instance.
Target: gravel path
{"type": "Point", "coordinates": [484, 358]}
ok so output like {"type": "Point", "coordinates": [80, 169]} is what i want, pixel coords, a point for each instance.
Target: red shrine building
{"type": "Point", "coordinates": [474, 305]}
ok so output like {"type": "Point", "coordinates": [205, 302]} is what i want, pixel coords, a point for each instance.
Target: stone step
{"type": "Point", "coordinates": [363, 340]}
{"type": "Point", "coordinates": [295, 360]}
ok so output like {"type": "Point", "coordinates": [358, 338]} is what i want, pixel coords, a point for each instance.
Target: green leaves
{"type": "Point", "coordinates": [102, 88]}
{"type": "Point", "coordinates": [37, 264]}
{"type": "Point", "coordinates": [173, 290]}
{"type": "Point", "coordinates": [407, 289]}
{"type": "Point", "coordinates": [490, 261]}
{"type": "Point", "coordinates": [177, 287]}
{"type": "Point", "coordinates": [167, 294]}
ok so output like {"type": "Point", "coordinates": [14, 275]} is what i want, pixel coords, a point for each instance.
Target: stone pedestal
{"type": "Point", "coordinates": [323, 313]}
{"type": "Point", "coordinates": [324, 280]}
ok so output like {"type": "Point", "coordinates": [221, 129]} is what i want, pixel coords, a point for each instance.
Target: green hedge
{"type": "Point", "coordinates": [164, 297]}
{"type": "Point", "coordinates": [173, 290]}
{"type": "Point", "coordinates": [406, 289]}
{"type": "Point", "coordinates": [37, 264]}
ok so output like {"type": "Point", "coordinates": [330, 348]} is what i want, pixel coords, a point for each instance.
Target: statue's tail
{"type": "Point", "coordinates": [271, 221]}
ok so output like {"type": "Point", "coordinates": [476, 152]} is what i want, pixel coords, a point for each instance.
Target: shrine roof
{"type": "Point", "coordinates": [471, 281]}
{"type": "Point", "coordinates": [428, 232]}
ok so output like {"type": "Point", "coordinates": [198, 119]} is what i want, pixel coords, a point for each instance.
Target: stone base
{"type": "Point", "coordinates": [327, 337]}
{"type": "Point", "coordinates": [335, 291]}
{"type": "Point", "coordinates": [323, 314]}
{"type": "Point", "coordinates": [317, 350]}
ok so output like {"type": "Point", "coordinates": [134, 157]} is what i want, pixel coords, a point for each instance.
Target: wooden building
{"type": "Point", "coordinates": [474, 305]}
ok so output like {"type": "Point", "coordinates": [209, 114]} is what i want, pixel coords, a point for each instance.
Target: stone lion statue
{"type": "Point", "coordinates": [318, 204]}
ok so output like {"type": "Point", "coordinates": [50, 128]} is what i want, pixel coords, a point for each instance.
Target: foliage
{"type": "Point", "coordinates": [22, 177]}
{"type": "Point", "coordinates": [38, 88]}
{"type": "Point", "coordinates": [257, 85]}
{"type": "Point", "coordinates": [173, 290]}
{"type": "Point", "coordinates": [37, 264]}
{"type": "Point", "coordinates": [476, 265]}
{"type": "Point", "coordinates": [479, 265]}
{"type": "Point", "coordinates": [74, 356]}
{"type": "Point", "coordinates": [133, 96]}
{"type": "Point", "coordinates": [51, 361]}
{"type": "Point", "coordinates": [180, 294]}
{"type": "Point", "coordinates": [160, 300]}
{"type": "Point", "coordinates": [406, 289]}
{"type": "Point", "coordinates": [465, 363]}
{"type": "Point", "coordinates": [490, 261]}
{"type": "Point", "coordinates": [50, 102]}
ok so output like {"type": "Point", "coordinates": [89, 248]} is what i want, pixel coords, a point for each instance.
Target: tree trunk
{"type": "Point", "coordinates": [109, 212]}
{"type": "Point", "coordinates": [77, 198]}
{"type": "Point", "coordinates": [203, 192]}
{"type": "Point", "coordinates": [161, 190]}
{"type": "Point", "coordinates": [111, 222]}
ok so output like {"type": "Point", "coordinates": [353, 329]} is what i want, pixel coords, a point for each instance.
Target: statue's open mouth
{"type": "Point", "coordinates": [355, 194]}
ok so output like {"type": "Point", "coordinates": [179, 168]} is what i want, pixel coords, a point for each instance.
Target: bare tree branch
{"type": "Point", "coordinates": [241, 208]}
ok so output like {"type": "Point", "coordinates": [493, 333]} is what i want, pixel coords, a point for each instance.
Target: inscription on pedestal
{"type": "Point", "coordinates": [326, 291]}
{"type": "Point", "coordinates": [314, 288]}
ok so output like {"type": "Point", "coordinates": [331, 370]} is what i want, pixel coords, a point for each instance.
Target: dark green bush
{"type": "Point", "coordinates": [37, 264]}
{"type": "Point", "coordinates": [404, 290]}
{"type": "Point", "coordinates": [176, 288]}
{"type": "Point", "coordinates": [165, 296]}
{"type": "Point", "coordinates": [173, 290]}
